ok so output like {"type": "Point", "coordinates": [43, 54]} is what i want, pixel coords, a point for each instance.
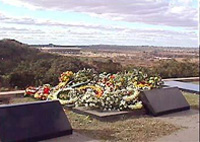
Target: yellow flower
{"type": "Point", "coordinates": [99, 91]}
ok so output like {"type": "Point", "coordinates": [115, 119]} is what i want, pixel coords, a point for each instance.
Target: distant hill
{"type": "Point", "coordinates": [117, 47]}
{"type": "Point", "coordinates": [12, 53]}
{"type": "Point", "coordinates": [54, 46]}
{"type": "Point", "coordinates": [21, 65]}
{"type": "Point", "coordinates": [14, 49]}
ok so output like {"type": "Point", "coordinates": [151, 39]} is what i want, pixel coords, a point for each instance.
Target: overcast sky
{"type": "Point", "coordinates": [116, 22]}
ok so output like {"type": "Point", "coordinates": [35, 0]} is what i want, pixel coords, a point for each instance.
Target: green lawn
{"type": "Point", "coordinates": [193, 99]}
{"type": "Point", "coordinates": [195, 82]}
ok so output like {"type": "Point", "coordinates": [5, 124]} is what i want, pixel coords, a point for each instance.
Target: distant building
{"type": "Point", "coordinates": [63, 50]}
{"type": "Point", "coordinates": [162, 58]}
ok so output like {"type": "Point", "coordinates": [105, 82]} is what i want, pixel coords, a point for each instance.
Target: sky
{"type": "Point", "coordinates": [90, 22]}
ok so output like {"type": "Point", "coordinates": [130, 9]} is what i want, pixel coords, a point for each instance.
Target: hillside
{"type": "Point", "coordinates": [22, 66]}
{"type": "Point", "coordinates": [12, 53]}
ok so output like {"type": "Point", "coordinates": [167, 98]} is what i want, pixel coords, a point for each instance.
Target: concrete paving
{"type": "Point", "coordinates": [185, 79]}
{"type": "Point", "coordinates": [75, 137]}
{"type": "Point", "coordinates": [189, 87]}
{"type": "Point", "coordinates": [187, 119]}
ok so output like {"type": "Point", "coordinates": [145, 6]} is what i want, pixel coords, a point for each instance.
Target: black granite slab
{"type": "Point", "coordinates": [33, 122]}
{"type": "Point", "coordinates": [165, 100]}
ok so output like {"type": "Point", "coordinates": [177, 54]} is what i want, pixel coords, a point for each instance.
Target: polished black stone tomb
{"type": "Point", "coordinates": [164, 100]}
{"type": "Point", "coordinates": [33, 122]}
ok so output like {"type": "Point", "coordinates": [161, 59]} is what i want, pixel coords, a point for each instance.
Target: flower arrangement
{"type": "Point", "coordinates": [66, 76]}
{"type": "Point", "coordinates": [103, 91]}
{"type": "Point", "coordinates": [41, 92]}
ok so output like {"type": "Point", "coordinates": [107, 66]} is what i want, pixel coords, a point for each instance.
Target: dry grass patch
{"type": "Point", "coordinates": [22, 100]}
{"type": "Point", "coordinates": [142, 129]}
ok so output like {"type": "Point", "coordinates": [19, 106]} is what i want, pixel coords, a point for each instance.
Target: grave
{"type": "Point", "coordinates": [33, 121]}
{"type": "Point", "coordinates": [156, 102]}
{"type": "Point", "coordinates": [164, 100]}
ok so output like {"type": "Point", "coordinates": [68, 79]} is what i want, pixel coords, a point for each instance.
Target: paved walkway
{"type": "Point", "coordinates": [188, 119]}
{"type": "Point", "coordinates": [185, 79]}
{"type": "Point", "coordinates": [75, 137]}
{"type": "Point", "coordinates": [183, 86]}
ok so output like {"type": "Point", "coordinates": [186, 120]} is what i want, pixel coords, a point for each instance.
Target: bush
{"type": "Point", "coordinates": [21, 79]}
{"type": "Point", "coordinates": [173, 69]}
{"type": "Point", "coordinates": [170, 69]}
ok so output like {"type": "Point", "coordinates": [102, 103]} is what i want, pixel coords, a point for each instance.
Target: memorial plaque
{"type": "Point", "coordinates": [33, 122]}
{"type": "Point", "coordinates": [165, 100]}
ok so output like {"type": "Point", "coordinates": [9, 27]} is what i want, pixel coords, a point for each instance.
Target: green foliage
{"type": "Point", "coordinates": [173, 69]}
{"type": "Point", "coordinates": [107, 66]}
{"type": "Point", "coordinates": [170, 69]}
{"type": "Point", "coordinates": [21, 79]}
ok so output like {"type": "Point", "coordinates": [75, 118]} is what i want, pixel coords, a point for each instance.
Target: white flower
{"type": "Point", "coordinates": [137, 105]}
{"type": "Point", "coordinates": [122, 102]}
{"type": "Point", "coordinates": [108, 98]}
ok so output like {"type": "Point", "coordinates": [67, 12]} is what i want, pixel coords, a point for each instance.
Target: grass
{"type": "Point", "coordinates": [22, 100]}
{"type": "Point", "coordinates": [193, 99]}
{"type": "Point", "coordinates": [195, 82]}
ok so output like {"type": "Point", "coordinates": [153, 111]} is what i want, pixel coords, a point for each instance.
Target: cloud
{"type": "Point", "coordinates": [19, 3]}
{"type": "Point", "coordinates": [85, 27]}
{"type": "Point", "coordinates": [47, 22]}
{"type": "Point", "coordinates": [14, 30]}
{"type": "Point", "coordinates": [151, 12]}
{"type": "Point", "coordinates": [124, 37]}
{"type": "Point", "coordinates": [34, 30]}
{"type": "Point", "coordinates": [157, 12]}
